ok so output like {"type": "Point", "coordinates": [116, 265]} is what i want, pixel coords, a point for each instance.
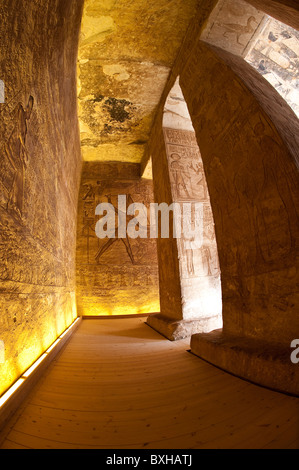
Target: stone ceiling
{"type": "Point", "coordinates": [126, 51]}
{"type": "Point", "coordinates": [127, 48]}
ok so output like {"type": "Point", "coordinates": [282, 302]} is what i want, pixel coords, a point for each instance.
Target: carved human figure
{"type": "Point", "coordinates": [249, 180]}
{"type": "Point", "coordinates": [111, 241]}
{"type": "Point", "coordinates": [206, 259]}
{"type": "Point", "coordinates": [200, 184]}
{"type": "Point", "coordinates": [18, 155]}
{"type": "Point", "coordinates": [191, 240]}
{"type": "Point", "coordinates": [123, 276]}
{"type": "Point", "coordinates": [89, 193]}
{"type": "Point", "coordinates": [180, 176]}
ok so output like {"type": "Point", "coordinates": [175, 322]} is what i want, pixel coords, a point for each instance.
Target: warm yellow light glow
{"type": "Point", "coordinates": [34, 366]}
{"type": "Point", "coordinates": [63, 334]}
{"type": "Point", "coordinates": [29, 371]}
{"type": "Point", "coordinates": [10, 391]}
{"type": "Point", "coordinates": [53, 346]}
{"type": "Point", "coordinates": [67, 330]}
{"type": "Point", "coordinates": [121, 310]}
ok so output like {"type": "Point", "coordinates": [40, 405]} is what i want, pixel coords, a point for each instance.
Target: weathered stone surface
{"type": "Point", "coordinates": [116, 276]}
{"type": "Point", "coordinates": [282, 116]}
{"type": "Point", "coordinates": [232, 25]}
{"type": "Point", "coordinates": [169, 271]}
{"type": "Point", "coordinates": [269, 46]}
{"type": "Point", "coordinates": [126, 51]}
{"type": "Point", "coordinates": [253, 189]}
{"type": "Point", "coordinates": [200, 289]}
{"type": "Point", "coordinates": [248, 155]}
{"type": "Point", "coordinates": [275, 54]}
{"type": "Point", "coordinates": [39, 177]}
{"type": "Point", "coordinates": [169, 266]}
{"type": "Point", "coordinates": [264, 363]}
{"type": "Point", "coordinates": [197, 248]}
{"type": "Point", "coordinates": [286, 11]}
{"type": "Point", "coordinates": [176, 330]}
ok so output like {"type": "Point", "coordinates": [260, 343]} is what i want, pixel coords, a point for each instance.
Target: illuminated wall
{"type": "Point", "coordinates": [114, 276]}
{"type": "Point", "coordinates": [40, 165]}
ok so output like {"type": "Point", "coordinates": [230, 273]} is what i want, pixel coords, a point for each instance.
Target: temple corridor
{"type": "Point", "coordinates": [149, 224]}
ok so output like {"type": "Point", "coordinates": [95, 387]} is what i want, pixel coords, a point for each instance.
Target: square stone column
{"type": "Point", "coordinates": [190, 285]}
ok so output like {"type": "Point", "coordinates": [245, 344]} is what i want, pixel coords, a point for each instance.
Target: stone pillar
{"type": "Point", "coordinates": [198, 309]}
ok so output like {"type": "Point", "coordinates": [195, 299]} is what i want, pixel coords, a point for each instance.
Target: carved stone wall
{"type": "Point", "coordinates": [40, 166]}
{"type": "Point", "coordinates": [115, 276]}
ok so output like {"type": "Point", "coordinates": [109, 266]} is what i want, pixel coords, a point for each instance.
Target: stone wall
{"type": "Point", "coordinates": [40, 165]}
{"type": "Point", "coordinates": [115, 276]}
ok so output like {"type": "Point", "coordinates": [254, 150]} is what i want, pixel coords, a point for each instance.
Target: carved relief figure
{"type": "Point", "coordinates": [126, 241]}
{"type": "Point", "coordinates": [89, 192]}
{"type": "Point", "coordinates": [190, 241]}
{"type": "Point", "coordinates": [17, 152]}
{"type": "Point", "coordinates": [88, 232]}
{"type": "Point", "coordinates": [206, 259]}
{"type": "Point", "coordinates": [88, 216]}
{"type": "Point", "coordinates": [200, 185]}
{"type": "Point", "coordinates": [239, 29]}
{"type": "Point", "coordinates": [181, 178]}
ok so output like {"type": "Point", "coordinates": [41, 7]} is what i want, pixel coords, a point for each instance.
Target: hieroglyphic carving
{"type": "Point", "coordinates": [233, 23]}
{"type": "Point", "coordinates": [240, 29]}
{"type": "Point", "coordinates": [118, 277]}
{"type": "Point", "coordinates": [188, 183]}
{"type": "Point", "coordinates": [88, 199]}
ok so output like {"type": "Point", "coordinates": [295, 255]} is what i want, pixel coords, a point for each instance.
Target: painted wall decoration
{"type": "Point", "coordinates": [115, 276]}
